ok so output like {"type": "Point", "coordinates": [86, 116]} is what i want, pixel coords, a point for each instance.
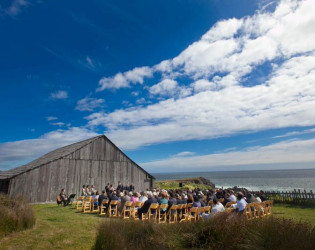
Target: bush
{"type": "Point", "coordinates": [15, 215]}
{"type": "Point", "coordinates": [221, 232]}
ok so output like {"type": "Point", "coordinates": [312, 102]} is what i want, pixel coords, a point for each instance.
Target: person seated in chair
{"type": "Point", "coordinates": [241, 203]}
{"type": "Point", "coordinates": [217, 207]}
{"type": "Point", "coordinates": [146, 205]}
{"type": "Point", "coordinates": [63, 197]}
{"type": "Point", "coordinates": [102, 197]}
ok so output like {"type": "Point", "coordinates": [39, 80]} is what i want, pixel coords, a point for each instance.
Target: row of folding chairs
{"type": "Point", "coordinates": [258, 210]}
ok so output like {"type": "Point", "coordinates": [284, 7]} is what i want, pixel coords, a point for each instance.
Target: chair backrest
{"type": "Point", "coordinates": [154, 206]}
{"type": "Point", "coordinates": [104, 202]}
{"type": "Point", "coordinates": [138, 204]}
{"type": "Point", "coordinates": [95, 200]}
{"type": "Point", "coordinates": [88, 199]}
{"type": "Point", "coordinates": [163, 206]}
{"type": "Point", "coordinates": [128, 204]}
{"type": "Point", "coordinates": [81, 198]}
{"type": "Point", "coordinates": [174, 207]}
{"type": "Point", "coordinates": [194, 209]}
{"type": "Point", "coordinates": [114, 202]}
{"type": "Point", "coordinates": [207, 209]}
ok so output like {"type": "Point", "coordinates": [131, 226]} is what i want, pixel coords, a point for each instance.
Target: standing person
{"type": "Point", "coordinates": [83, 191]}
{"type": "Point", "coordinates": [119, 187]}
{"type": "Point", "coordinates": [107, 188]}
{"type": "Point", "coordinates": [93, 190]}
{"type": "Point", "coordinates": [88, 191]}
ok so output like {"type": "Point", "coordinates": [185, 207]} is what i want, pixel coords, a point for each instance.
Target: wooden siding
{"type": "Point", "coordinates": [97, 163]}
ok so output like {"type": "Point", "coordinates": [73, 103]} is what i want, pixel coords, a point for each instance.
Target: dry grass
{"type": "Point", "coordinates": [15, 215]}
{"type": "Point", "coordinates": [222, 232]}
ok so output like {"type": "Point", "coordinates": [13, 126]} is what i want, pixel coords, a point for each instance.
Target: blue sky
{"type": "Point", "coordinates": [178, 85]}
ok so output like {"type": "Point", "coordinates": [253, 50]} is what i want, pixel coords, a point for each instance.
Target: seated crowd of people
{"type": "Point", "coordinates": [198, 198]}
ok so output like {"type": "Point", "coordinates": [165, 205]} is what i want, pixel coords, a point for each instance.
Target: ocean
{"type": "Point", "coordinates": [267, 180]}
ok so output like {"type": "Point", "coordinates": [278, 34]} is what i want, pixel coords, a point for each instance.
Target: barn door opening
{"type": "Point", "coordinates": [4, 186]}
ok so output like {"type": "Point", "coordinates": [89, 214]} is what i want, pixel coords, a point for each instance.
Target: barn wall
{"type": "Point", "coordinates": [86, 166]}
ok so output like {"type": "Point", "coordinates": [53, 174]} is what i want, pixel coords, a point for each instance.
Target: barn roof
{"type": "Point", "coordinates": [55, 155]}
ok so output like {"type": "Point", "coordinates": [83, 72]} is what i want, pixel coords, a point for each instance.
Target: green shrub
{"type": "Point", "coordinates": [15, 215]}
{"type": "Point", "coordinates": [221, 232]}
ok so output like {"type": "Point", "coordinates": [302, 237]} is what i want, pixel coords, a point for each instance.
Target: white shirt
{"type": "Point", "coordinates": [217, 208]}
{"type": "Point", "coordinates": [240, 205]}
{"type": "Point", "coordinates": [232, 198]}
{"type": "Point", "coordinates": [143, 198]}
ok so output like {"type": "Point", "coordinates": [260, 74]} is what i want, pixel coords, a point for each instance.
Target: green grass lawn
{"type": "Point", "coordinates": [66, 228]}
{"type": "Point", "coordinates": [297, 213]}
{"type": "Point", "coordinates": [56, 227]}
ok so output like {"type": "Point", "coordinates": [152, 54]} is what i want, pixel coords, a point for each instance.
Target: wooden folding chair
{"type": "Point", "coordinates": [152, 212]}
{"type": "Point", "coordinates": [180, 209]}
{"type": "Point", "coordinates": [113, 209]}
{"type": "Point", "coordinates": [103, 207]}
{"type": "Point", "coordinates": [162, 216]}
{"type": "Point", "coordinates": [269, 204]}
{"type": "Point", "coordinates": [135, 207]}
{"type": "Point", "coordinates": [87, 204]}
{"type": "Point", "coordinates": [172, 214]}
{"type": "Point", "coordinates": [193, 214]}
{"type": "Point", "coordinates": [248, 211]}
{"type": "Point", "coordinates": [207, 210]}
{"type": "Point", "coordinates": [79, 203]}
{"type": "Point", "coordinates": [185, 214]}
{"type": "Point", "coordinates": [127, 210]}
{"type": "Point", "coordinates": [258, 213]}
{"type": "Point", "coordinates": [94, 208]}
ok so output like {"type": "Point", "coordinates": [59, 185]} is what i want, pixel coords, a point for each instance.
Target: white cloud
{"type": "Point", "coordinates": [89, 104]}
{"type": "Point", "coordinates": [295, 133]}
{"type": "Point", "coordinates": [123, 80]}
{"type": "Point", "coordinates": [60, 94]}
{"type": "Point", "coordinates": [60, 124]}
{"type": "Point", "coordinates": [286, 99]}
{"type": "Point", "coordinates": [27, 150]}
{"type": "Point", "coordinates": [296, 151]}
{"type": "Point", "coordinates": [183, 154]}
{"type": "Point", "coordinates": [165, 87]}
{"type": "Point", "coordinates": [51, 118]}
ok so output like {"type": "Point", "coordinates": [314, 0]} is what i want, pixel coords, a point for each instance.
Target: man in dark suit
{"type": "Point", "coordinates": [146, 205]}
{"type": "Point", "coordinates": [171, 201]}
{"type": "Point", "coordinates": [119, 187]}
{"type": "Point", "coordinates": [102, 197]}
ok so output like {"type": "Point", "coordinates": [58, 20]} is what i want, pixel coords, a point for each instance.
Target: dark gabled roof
{"type": "Point", "coordinates": [55, 155]}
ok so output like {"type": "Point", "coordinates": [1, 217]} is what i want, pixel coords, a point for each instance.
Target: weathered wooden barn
{"type": "Point", "coordinates": [96, 161]}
